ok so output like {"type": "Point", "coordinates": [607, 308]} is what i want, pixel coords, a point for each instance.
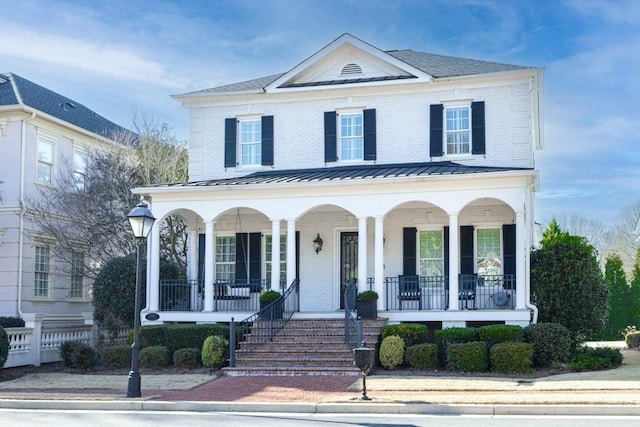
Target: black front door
{"type": "Point", "coordinates": [348, 260]}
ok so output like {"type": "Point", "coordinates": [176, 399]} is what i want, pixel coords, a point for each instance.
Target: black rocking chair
{"type": "Point", "coordinates": [409, 289]}
{"type": "Point", "coordinates": [467, 290]}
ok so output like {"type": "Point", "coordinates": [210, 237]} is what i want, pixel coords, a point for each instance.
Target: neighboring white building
{"type": "Point", "coordinates": [43, 135]}
{"type": "Point", "coordinates": [403, 163]}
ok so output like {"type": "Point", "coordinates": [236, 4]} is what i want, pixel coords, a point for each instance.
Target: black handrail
{"type": "Point", "coordinates": [262, 326]}
{"type": "Point", "coordinates": [352, 328]}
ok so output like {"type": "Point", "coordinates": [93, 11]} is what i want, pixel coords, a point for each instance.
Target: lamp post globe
{"type": "Point", "coordinates": [141, 220]}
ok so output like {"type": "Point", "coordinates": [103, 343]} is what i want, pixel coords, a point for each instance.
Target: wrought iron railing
{"type": "Point", "coordinates": [262, 326]}
{"type": "Point", "coordinates": [490, 292]}
{"type": "Point", "coordinates": [425, 293]}
{"type": "Point", "coordinates": [352, 328]}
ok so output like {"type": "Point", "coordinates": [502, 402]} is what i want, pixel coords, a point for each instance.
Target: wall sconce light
{"type": "Point", "coordinates": [317, 243]}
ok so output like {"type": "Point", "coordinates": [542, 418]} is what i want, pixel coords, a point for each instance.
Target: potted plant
{"type": "Point", "coordinates": [367, 304]}
{"type": "Point", "coordinates": [266, 300]}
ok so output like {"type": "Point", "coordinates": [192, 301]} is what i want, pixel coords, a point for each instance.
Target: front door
{"type": "Point", "coordinates": [348, 260]}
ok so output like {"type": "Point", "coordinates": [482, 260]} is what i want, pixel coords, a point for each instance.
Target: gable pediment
{"type": "Point", "coordinates": [346, 61]}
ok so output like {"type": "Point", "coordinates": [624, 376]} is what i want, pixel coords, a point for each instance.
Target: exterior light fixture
{"type": "Point", "coordinates": [317, 243]}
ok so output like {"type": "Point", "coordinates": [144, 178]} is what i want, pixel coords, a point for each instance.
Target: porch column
{"type": "Point", "coordinates": [209, 257]}
{"type": "Point", "coordinates": [521, 279]}
{"type": "Point", "coordinates": [193, 255]}
{"type": "Point", "coordinates": [291, 251]}
{"type": "Point", "coordinates": [454, 261]}
{"type": "Point", "coordinates": [362, 253]}
{"type": "Point", "coordinates": [379, 261]}
{"type": "Point", "coordinates": [153, 267]}
{"type": "Point", "coordinates": [275, 254]}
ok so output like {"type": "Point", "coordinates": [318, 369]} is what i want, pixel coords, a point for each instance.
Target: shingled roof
{"type": "Point", "coordinates": [16, 90]}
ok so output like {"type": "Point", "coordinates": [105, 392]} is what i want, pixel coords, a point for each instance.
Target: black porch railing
{"type": "Point", "coordinates": [352, 329]}
{"type": "Point", "coordinates": [262, 326]}
{"type": "Point", "coordinates": [492, 292]}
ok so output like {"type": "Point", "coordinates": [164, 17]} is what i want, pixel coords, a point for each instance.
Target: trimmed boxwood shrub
{"type": "Point", "coordinates": [187, 336]}
{"type": "Point", "coordinates": [4, 347]}
{"type": "Point", "coordinates": [589, 358]}
{"type": "Point", "coordinates": [186, 358]}
{"type": "Point", "coordinates": [512, 357]}
{"type": "Point", "coordinates": [115, 356]}
{"type": "Point", "coordinates": [75, 354]}
{"type": "Point", "coordinates": [551, 341]}
{"type": "Point", "coordinates": [494, 334]}
{"type": "Point", "coordinates": [633, 339]}
{"type": "Point", "coordinates": [468, 357]}
{"type": "Point", "coordinates": [155, 356]}
{"type": "Point", "coordinates": [215, 351]}
{"type": "Point", "coordinates": [392, 352]}
{"type": "Point", "coordinates": [11, 322]}
{"type": "Point", "coordinates": [423, 356]}
{"type": "Point", "coordinates": [411, 333]}
{"type": "Point", "coordinates": [445, 337]}
{"type": "Point", "coordinates": [150, 335]}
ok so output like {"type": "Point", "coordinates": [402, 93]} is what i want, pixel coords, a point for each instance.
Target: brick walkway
{"type": "Point", "coordinates": [266, 389]}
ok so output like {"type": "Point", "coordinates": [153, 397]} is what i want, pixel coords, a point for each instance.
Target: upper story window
{"type": "Point", "coordinates": [248, 142]}
{"type": "Point", "coordinates": [45, 161]}
{"type": "Point", "coordinates": [351, 137]}
{"type": "Point", "coordinates": [457, 130]}
{"type": "Point", "coordinates": [79, 168]}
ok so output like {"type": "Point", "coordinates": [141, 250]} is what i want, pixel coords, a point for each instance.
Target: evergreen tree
{"type": "Point", "coordinates": [620, 309]}
{"type": "Point", "coordinates": [634, 297]}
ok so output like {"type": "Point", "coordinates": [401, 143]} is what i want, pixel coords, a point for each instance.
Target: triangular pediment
{"type": "Point", "coordinates": [347, 61]}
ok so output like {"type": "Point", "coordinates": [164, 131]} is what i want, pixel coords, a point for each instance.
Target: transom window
{"type": "Point", "coordinates": [45, 161]}
{"type": "Point", "coordinates": [431, 253]}
{"type": "Point", "coordinates": [489, 251]}
{"type": "Point", "coordinates": [283, 257]}
{"type": "Point", "coordinates": [79, 168]}
{"type": "Point", "coordinates": [42, 271]}
{"type": "Point", "coordinates": [225, 258]}
{"type": "Point", "coordinates": [251, 142]}
{"type": "Point", "coordinates": [457, 130]}
{"type": "Point", "coordinates": [351, 137]}
{"type": "Point", "coordinates": [77, 275]}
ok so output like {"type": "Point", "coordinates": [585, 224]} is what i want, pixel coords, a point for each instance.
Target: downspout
{"type": "Point", "coordinates": [528, 242]}
{"type": "Point", "coordinates": [23, 210]}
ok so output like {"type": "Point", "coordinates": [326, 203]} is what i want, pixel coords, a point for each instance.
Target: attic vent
{"type": "Point", "coordinates": [351, 69]}
{"type": "Point", "coordinates": [66, 106]}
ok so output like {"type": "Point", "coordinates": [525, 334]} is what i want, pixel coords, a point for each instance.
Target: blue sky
{"type": "Point", "coordinates": [125, 58]}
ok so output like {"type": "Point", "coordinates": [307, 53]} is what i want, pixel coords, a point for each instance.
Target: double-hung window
{"type": "Point", "coordinates": [45, 161]}
{"type": "Point", "coordinates": [226, 258]}
{"type": "Point", "coordinates": [489, 251]}
{"type": "Point", "coordinates": [79, 168]}
{"type": "Point", "coordinates": [42, 272]}
{"type": "Point", "coordinates": [283, 257]}
{"type": "Point", "coordinates": [431, 253]}
{"type": "Point", "coordinates": [77, 275]}
{"type": "Point", "coordinates": [251, 142]}
{"type": "Point", "coordinates": [351, 136]}
{"type": "Point", "coordinates": [457, 130]}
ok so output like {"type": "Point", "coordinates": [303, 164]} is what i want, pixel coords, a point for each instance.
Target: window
{"type": "Point", "coordinates": [431, 253]}
{"type": "Point", "coordinates": [45, 161]}
{"type": "Point", "coordinates": [489, 251]}
{"type": "Point", "coordinates": [251, 142]}
{"type": "Point", "coordinates": [42, 271]}
{"type": "Point", "coordinates": [283, 257]}
{"type": "Point", "coordinates": [457, 130]}
{"type": "Point", "coordinates": [79, 168]}
{"type": "Point", "coordinates": [351, 137]}
{"type": "Point", "coordinates": [77, 275]}
{"type": "Point", "coordinates": [225, 258]}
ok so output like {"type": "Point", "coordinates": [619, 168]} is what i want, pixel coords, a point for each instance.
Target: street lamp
{"type": "Point", "coordinates": [141, 220]}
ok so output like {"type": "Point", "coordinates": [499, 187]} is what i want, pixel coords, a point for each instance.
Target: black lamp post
{"type": "Point", "coordinates": [141, 220]}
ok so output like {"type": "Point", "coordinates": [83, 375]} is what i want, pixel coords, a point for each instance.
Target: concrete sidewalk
{"type": "Point", "coordinates": [591, 393]}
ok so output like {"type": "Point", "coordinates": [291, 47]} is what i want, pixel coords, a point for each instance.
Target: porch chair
{"type": "Point", "coordinates": [467, 289]}
{"type": "Point", "coordinates": [409, 289]}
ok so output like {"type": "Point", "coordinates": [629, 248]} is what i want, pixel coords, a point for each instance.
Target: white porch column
{"type": "Point", "coordinates": [209, 258]}
{"type": "Point", "coordinates": [362, 254]}
{"type": "Point", "coordinates": [153, 267]}
{"type": "Point", "coordinates": [521, 279]}
{"type": "Point", "coordinates": [379, 261]}
{"type": "Point", "coordinates": [193, 256]}
{"type": "Point", "coordinates": [291, 251]}
{"type": "Point", "coordinates": [454, 256]}
{"type": "Point", "coordinates": [275, 254]}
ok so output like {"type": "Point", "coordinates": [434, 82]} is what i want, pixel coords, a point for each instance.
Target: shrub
{"type": "Point", "coordinates": [392, 352]}
{"type": "Point", "coordinates": [411, 333]}
{"type": "Point", "coordinates": [551, 342]}
{"type": "Point", "coordinates": [115, 356]}
{"type": "Point", "coordinates": [494, 334]}
{"type": "Point", "coordinates": [177, 337]}
{"type": "Point", "coordinates": [445, 337]}
{"type": "Point", "coordinates": [589, 358]}
{"type": "Point", "coordinates": [155, 356]}
{"type": "Point", "coordinates": [215, 351]}
{"type": "Point", "coordinates": [512, 357]}
{"type": "Point", "coordinates": [150, 335]}
{"type": "Point", "coordinates": [11, 322]}
{"type": "Point", "coordinates": [76, 354]}
{"type": "Point", "coordinates": [468, 357]}
{"type": "Point", "coordinates": [270, 296]}
{"type": "Point", "coordinates": [587, 362]}
{"type": "Point", "coordinates": [367, 296]}
{"type": "Point", "coordinates": [186, 358]}
{"type": "Point", "coordinates": [4, 347]}
{"type": "Point", "coordinates": [423, 356]}
{"type": "Point", "coordinates": [633, 340]}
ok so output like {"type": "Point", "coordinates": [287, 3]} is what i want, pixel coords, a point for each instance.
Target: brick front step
{"type": "Point", "coordinates": [290, 371]}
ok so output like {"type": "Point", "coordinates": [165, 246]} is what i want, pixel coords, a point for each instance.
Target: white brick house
{"type": "Point", "coordinates": [410, 167]}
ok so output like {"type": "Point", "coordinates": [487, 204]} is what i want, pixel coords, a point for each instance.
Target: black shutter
{"type": "Point", "coordinates": [255, 270]}
{"type": "Point", "coordinates": [409, 235]}
{"type": "Point", "coordinates": [477, 128]}
{"type": "Point", "coordinates": [466, 250]}
{"type": "Point", "coordinates": [267, 140]}
{"type": "Point", "coordinates": [230, 143]}
{"type": "Point", "coordinates": [369, 129]}
{"type": "Point", "coordinates": [509, 255]}
{"type": "Point", "coordinates": [445, 243]}
{"type": "Point", "coordinates": [201, 255]}
{"type": "Point", "coordinates": [242, 256]}
{"type": "Point", "coordinates": [436, 134]}
{"type": "Point", "coordinates": [330, 137]}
